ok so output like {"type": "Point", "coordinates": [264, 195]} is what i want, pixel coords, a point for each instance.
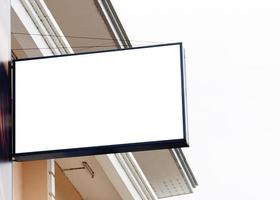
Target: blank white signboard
{"type": "Point", "coordinates": [103, 99]}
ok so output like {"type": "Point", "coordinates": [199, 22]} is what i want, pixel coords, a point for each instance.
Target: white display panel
{"type": "Point", "coordinates": [99, 99]}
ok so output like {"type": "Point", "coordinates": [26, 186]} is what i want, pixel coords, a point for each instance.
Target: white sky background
{"type": "Point", "coordinates": [233, 71]}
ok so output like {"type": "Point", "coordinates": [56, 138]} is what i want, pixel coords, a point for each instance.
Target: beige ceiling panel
{"type": "Point", "coordinates": [82, 24]}
{"type": "Point", "coordinates": [91, 188]}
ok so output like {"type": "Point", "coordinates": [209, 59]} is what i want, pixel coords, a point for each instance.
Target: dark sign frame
{"type": "Point", "coordinates": [118, 148]}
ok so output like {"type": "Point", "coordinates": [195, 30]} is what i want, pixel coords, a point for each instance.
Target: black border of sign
{"type": "Point", "coordinates": [118, 148]}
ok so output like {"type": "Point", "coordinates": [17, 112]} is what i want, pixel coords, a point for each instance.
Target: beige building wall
{"type": "Point", "coordinates": [64, 190]}
{"type": "Point", "coordinates": [17, 181]}
{"type": "Point", "coordinates": [30, 180]}
{"type": "Point", "coordinates": [35, 180]}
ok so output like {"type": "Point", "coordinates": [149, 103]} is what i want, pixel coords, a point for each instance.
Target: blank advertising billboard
{"type": "Point", "coordinates": [101, 102]}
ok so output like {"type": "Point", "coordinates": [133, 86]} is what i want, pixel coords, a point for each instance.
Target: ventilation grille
{"type": "Point", "coordinates": [163, 173]}
{"type": "Point", "coordinates": [169, 188]}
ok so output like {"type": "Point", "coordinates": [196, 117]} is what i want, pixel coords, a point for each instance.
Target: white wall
{"type": "Point", "coordinates": [233, 67]}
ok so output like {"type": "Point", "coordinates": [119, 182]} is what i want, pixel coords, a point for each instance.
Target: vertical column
{"type": "Point", "coordinates": [51, 179]}
{"type": "Point", "coordinates": [5, 117]}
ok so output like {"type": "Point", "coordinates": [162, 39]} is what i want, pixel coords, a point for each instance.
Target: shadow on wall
{"type": "Point", "coordinates": [5, 115]}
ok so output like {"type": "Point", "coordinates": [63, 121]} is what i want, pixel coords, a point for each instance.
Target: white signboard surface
{"type": "Point", "coordinates": [99, 99]}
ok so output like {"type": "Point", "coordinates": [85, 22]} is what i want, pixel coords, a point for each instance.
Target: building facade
{"type": "Point", "coordinates": [45, 28]}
